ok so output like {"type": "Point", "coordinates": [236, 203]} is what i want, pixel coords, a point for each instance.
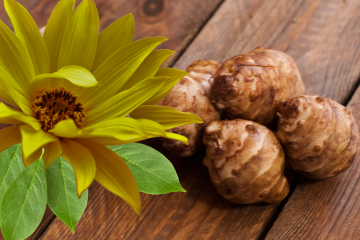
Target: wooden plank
{"type": "Point", "coordinates": [318, 40]}
{"type": "Point", "coordinates": [177, 20]}
{"type": "Point", "coordinates": [324, 209]}
{"type": "Point", "coordinates": [172, 19]}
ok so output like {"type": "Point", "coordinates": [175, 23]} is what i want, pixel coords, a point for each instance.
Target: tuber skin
{"type": "Point", "coordinates": [192, 94]}
{"type": "Point", "coordinates": [319, 135]}
{"type": "Point", "coordinates": [245, 162]}
{"type": "Point", "coordinates": [254, 85]}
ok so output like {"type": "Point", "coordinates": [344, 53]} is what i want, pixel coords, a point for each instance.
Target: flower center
{"type": "Point", "coordinates": [55, 105]}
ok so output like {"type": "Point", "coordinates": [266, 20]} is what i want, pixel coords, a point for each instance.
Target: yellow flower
{"type": "Point", "coordinates": [74, 91]}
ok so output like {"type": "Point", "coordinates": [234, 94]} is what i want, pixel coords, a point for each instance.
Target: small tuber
{"type": "Point", "coordinates": [319, 135]}
{"type": "Point", "coordinates": [192, 94]}
{"type": "Point", "coordinates": [253, 85]}
{"type": "Point", "coordinates": [245, 162]}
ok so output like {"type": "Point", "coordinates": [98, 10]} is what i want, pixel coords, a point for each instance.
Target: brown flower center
{"type": "Point", "coordinates": [55, 105]}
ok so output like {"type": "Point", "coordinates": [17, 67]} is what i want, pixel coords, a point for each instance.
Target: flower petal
{"type": "Point", "coordinates": [113, 173]}
{"type": "Point", "coordinates": [175, 75]}
{"type": "Point", "coordinates": [154, 129]}
{"type": "Point", "coordinates": [124, 129]}
{"type": "Point", "coordinates": [28, 33]}
{"type": "Point", "coordinates": [7, 92]}
{"type": "Point", "coordinates": [80, 38]}
{"type": "Point", "coordinates": [13, 116]}
{"type": "Point", "coordinates": [117, 69]}
{"type": "Point", "coordinates": [148, 67]}
{"type": "Point", "coordinates": [125, 102]}
{"type": "Point", "coordinates": [55, 30]}
{"type": "Point", "coordinates": [16, 59]}
{"type": "Point", "coordinates": [9, 137]}
{"type": "Point", "coordinates": [177, 137]}
{"type": "Point", "coordinates": [53, 150]}
{"type": "Point", "coordinates": [76, 75]}
{"type": "Point", "coordinates": [114, 37]}
{"type": "Point", "coordinates": [32, 142]}
{"type": "Point", "coordinates": [68, 129]}
{"type": "Point", "coordinates": [82, 162]}
{"type": "Point", "coordinates": [168, 117]}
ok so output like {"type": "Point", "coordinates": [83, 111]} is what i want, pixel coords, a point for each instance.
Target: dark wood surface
{"type": "Point", "coordinates": [324, 209]}
{"type": "Point", "coordinates": [323, 36]}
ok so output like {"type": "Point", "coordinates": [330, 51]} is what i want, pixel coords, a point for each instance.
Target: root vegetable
{"type": "Point", "coordinates": [192, 94]}
{"type": "Point", "coordinates": [319, 135]}
{"type": "Point", "coordinates": [245, 162]}
{"type": "Point", "coordinates": [253, 85]}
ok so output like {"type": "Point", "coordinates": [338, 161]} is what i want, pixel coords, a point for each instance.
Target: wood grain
{"type": "Point", "coordinates": [324, 209]}
{"type": "Point", "coordinates": [172, 19]}
{"type": "Point", "coordinates": [321, 35]}
{"type": "Point", "coordinates": [178, 20]}
{"type": "Point", "coordinates": [316, 39]}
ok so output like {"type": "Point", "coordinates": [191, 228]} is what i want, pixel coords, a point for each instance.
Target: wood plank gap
{"type": "Point", "coordinates": [278, 211]}
{"type": "Point", "coordinates": [352, 92]}
{"type": "Point", "coordinates": [41, 231]}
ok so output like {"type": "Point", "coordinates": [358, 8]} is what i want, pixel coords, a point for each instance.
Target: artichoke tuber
{"type": "Point", "coordinates": [192, 94]}
{"type": "Point", "coordinates": [253, 85]}
{"type": "Point", "coordinates": [245, 162]}
{"type": "Point", "coordinates": [319, 135]}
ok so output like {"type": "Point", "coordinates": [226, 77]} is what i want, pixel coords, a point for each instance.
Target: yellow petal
{"type": "Point", "coordinates": [113, 173]}
{"type": "Point", "coordinates": [76, 75]}
{"type": "Point", "coordinates": [152, 129]}
{"type": "Point", "coordinates": [123, 129]}
{"type": "Point", "coordinates": [15, 59]}
{"type": "Point", "coordinates": [9, 92]}
{"type": "Point", "coordinates": [125, 102]}
{"type": "Point", "coordinates": [177, 137]}
{"type": "Point", "coordinates": [174, 76]}
{"type": "Point", "coordinates": [117, 69]}
{"type": "Point", "coordinates": [81, 35]}
{"type": "Point", "coordinates": [28, 33]}
{"type": "Point", "coordinates": [148, 67]}
{"type": "Point", "coordinates": [55, 30]}
{"type": "Point", "coordinates": [32, 142]}
{"type": "Point", "coordinates": [53, 150]}
{"type": "Point", "coordinates": [13, 116]}
{"type": "Point", "coordinates": [168, 117]}
{"type": "Point", "coordinates": [68, 129]}
{"type": "Point", "coordinates": [9, 137]}
{"type": "Point", "coordinates": [114, 37]}
{"type": "Point", "coordinates": [82, 162]}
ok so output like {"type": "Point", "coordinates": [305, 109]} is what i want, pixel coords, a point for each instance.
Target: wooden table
{"type": "Point", "coordinates": [323, 36]}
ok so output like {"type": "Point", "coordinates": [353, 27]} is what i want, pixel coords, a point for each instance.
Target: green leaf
{"type": "Point", "coordinates": [153, 172]}
{"type": "Point", "coordinates": [62, 196]}
{"type": "Point", "coordinates": [24, 203]}
{"type": "Point", "coordinates": [11, 165]}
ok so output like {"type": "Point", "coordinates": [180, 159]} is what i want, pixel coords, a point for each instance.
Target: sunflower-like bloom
{"type": "Point", "coordinates": [73, 91]}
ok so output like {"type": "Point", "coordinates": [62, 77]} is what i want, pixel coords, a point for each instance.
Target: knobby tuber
{"type": "Point", "coordinates": [192, 94]}
{"type": "Point", "coordinates": [253, 85]}
{"type": "Point", "coordinates": [245, 162]}
{"type": "Point", "coordinates": [319, 135]}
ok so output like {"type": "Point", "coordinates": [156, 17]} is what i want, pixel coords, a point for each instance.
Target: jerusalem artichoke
{"type": "Point", "coordinates": [245, 162]}
{"type": "Point", "coordinates": [253, 85]}
{"type": "Point", "coordinates": [320, 136]}
{"type": "Point", "coordinates": [192, 94]}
